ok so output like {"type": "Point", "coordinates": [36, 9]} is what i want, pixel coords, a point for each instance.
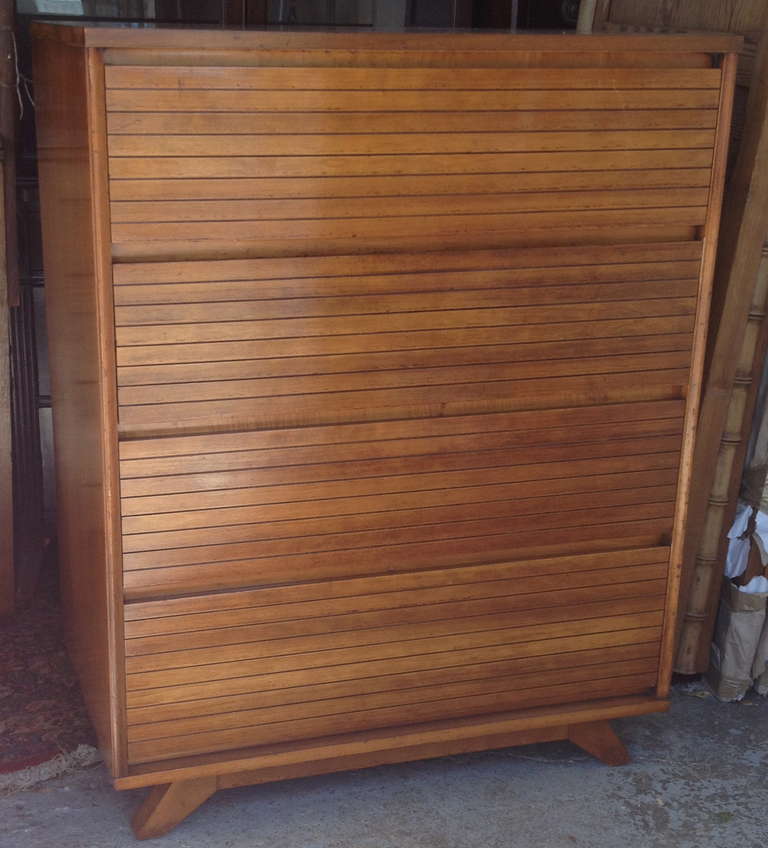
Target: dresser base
{"type": "Point", "coordinates": [170, 803]}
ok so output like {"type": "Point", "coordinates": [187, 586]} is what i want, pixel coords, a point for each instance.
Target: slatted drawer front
{"type": "Point", "coordinates": [274, 154]}
{"type": "Point", "coordinates": [276, 342]}
{"type": "Point", "coordinates": [225, 510]}
{"type": "Point", "coordinates": [208, 673]}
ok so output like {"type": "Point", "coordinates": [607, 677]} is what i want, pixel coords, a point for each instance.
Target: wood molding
{"type": "Point", "coordinates": [696, 394]}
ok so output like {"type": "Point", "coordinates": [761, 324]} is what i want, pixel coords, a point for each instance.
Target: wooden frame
{"type": "Point", "coordinates": [711, 232]}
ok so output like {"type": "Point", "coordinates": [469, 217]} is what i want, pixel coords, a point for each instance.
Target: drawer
{"type": "Point", "coordinates": [274, 155]}
{"type": "Point", "coordinates": [236, 669]}
{"type": "Point", "coordinates": [299, 341]}
{"type": "Point", "coordinates": [225, 510]}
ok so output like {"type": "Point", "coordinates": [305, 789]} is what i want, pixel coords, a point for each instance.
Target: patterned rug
{"type": "Point", "coordinates": [42, 715]}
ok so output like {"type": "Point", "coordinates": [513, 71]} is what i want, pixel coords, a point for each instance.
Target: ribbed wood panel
{"type": "Point", "coordinates": [420, 409]}
{"type": "Point", "coordinates": [273, 342]}
{"type": "Point", "coordinates": [293, 153]}
{"type": "Point", "coordinates": [269, 506]}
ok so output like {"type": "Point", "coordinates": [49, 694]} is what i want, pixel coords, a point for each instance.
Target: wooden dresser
{"type": "Point", "coordinates": [376, 362]}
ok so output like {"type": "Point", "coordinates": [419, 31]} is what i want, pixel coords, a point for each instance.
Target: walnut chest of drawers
{"type": "Point", "coordinates": [376, 363]}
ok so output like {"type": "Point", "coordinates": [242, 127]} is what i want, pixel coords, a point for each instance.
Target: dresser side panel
{"type": "Point", "coordinates": [84, 423]}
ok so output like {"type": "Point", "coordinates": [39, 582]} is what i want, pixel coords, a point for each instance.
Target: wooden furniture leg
{"type": "Point", "coordinates": [169, 804]}
{"type": "Point", "coordinates": [599, 739]}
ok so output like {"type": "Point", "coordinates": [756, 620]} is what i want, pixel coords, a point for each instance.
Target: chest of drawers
{"type": "Point", "coordinates": [376, 362]}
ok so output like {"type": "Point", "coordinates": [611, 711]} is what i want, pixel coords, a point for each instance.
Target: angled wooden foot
{"type": "Point", "coordinates": [169, 804]}
{"type": "Point", "coordinates": [599, 739]}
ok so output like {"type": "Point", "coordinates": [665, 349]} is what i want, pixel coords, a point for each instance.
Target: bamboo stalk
{"type": "Point", "coordinates": [699, 622]}
{"type": "Point", "coordinates": [743, 233]}
{"type": "Point", "coordinates": [753, 481]}
{"type": "Point", "coordinates": [586, 16]}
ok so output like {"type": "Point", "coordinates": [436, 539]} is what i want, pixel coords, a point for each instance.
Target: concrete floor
{"type": "Point", "coordinates": [698, 778]}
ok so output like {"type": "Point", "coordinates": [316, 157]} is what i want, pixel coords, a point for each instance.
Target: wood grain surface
{"type": "Point", "coordinates": [294, 656]}
{"type": "Point", "coordinates": [71, 157]}
{"type": "Point", "coordinates": [389, 336]}
{"type": "Point", "coordinates": [323, 134]}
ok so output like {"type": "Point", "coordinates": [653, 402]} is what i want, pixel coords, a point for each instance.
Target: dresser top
{"type": "Point", "coordinates": [176, 37]}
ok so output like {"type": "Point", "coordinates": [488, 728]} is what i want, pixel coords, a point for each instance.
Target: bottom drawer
{"type": "Point", "coordinates": [237, 669]}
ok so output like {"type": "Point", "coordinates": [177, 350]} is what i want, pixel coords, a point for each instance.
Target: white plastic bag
{"type": "Point", "coordinates": [738, 544]}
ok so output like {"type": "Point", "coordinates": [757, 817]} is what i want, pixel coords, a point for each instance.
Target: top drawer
{"type": "Point", "coordinates": [206, 159]}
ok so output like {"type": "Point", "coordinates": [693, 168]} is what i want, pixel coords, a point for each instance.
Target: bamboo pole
{"type": "Point", "coordinates": [586, 16]}
{"type": "Point", "coordinates": [753, 481]}
{"type": "Point", "coordinates": [699, 621]}
{"type": "Point", "coordinates": [743, 233]}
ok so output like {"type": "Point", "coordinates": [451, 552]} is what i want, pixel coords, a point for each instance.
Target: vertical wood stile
{"type": "Point", "coordinates": [108, 394]}
{"type": "Point", "coordinates": [710, 236]}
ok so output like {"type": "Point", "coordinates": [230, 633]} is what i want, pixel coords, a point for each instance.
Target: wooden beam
{"type": "Point", "coordinates": [7, 582]}
{"type": "Point", "coordinates": [744, 229]}
{"type": "Point", "coordinates": [8, 113]}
